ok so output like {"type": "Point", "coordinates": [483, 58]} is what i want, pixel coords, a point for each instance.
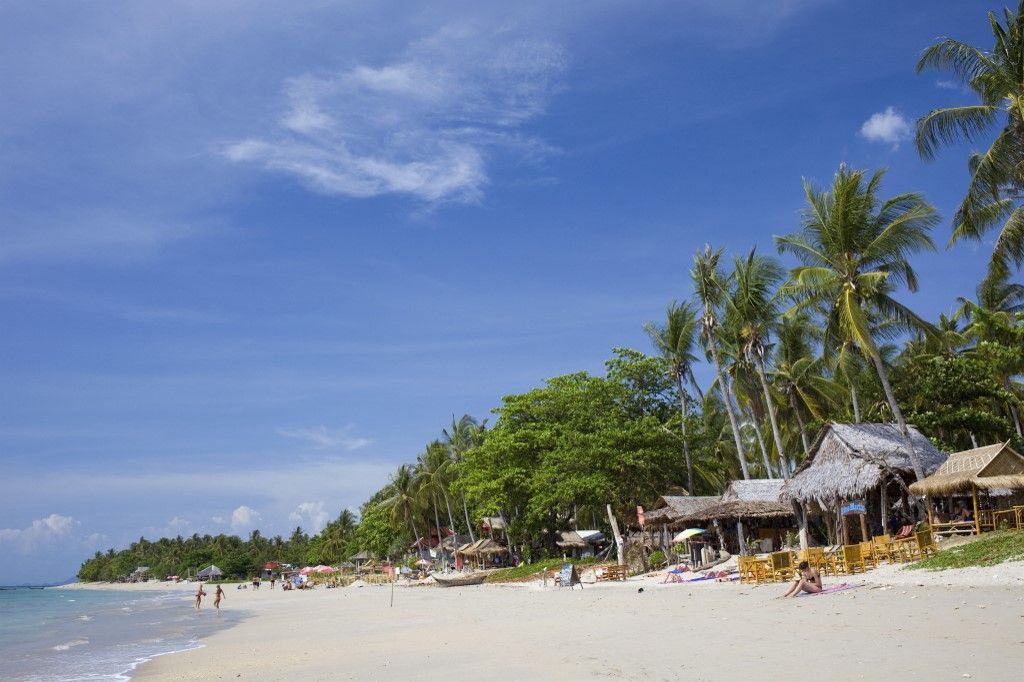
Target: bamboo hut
{"type": "Point", "coordinates": [579, 543]}
{"type": "Point", "coordinates": [996, 470]}
{"type": "Point", "coordinates": [762, 503]}
{"type": "Point", "coordinates": [481, 552]}
{"type": "Point", "coordinates": [672, 513]}
{"type": "Point", "coordinates": [853, 462]}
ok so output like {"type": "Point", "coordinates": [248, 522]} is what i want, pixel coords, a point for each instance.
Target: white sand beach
{"type": "Point", "coordinates": [893, 624]}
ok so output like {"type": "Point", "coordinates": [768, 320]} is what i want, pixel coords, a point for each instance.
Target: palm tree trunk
{"type": "Point", "coordinates": [883, 376]}
{"type": "Point", "coordinates": [727, 399]}
{"type": "Point", "coordinates": [686, 441]}
{"type": "Point", "coordinates": [856, 405]}
{"type": "Point", "coordinates": [437, 523]}
{"type": "Point", "coordinates": [800, 422]}
{"type": "Point", "coordinates": [764, 450]}
{"type": "Point", "coordinates": [469, 526]}
{"type": "Point", "coordinates": [1016, 420]}
{"type": "Point", "coordinates": [770, 406]}
{"type": "Point", "coordinates": [451, 519]}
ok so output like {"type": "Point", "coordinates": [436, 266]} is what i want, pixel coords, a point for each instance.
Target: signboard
{"type": "Point", "coordinates": [568, 576]}
{"type": "Point", "coordinates": [853, 508]}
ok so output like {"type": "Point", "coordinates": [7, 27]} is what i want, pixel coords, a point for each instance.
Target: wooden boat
{"type": "Point", "coordinates": [459, 579]}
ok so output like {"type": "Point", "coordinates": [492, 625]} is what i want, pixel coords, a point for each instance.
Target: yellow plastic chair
{"type": "Point", "coordinates": [867, 552]}
{"type": "Point", "coordinates": [925, 543]}
{"type": "Point", "coordinates": [782, 565]}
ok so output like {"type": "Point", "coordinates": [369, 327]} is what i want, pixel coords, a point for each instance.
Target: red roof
{"type": "Point", "coordinates": [270, 565]}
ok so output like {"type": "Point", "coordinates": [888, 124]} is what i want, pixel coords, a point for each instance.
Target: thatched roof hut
{"type": "Point", "coordinates": [578, 539]}
{"type": "Point", "coordinates": [755, 498]}
{"type": "Point", "coordinates": [482, 547]}
{"type": "Point", "coordinates": [849, 460]}
{"type": "Point", "coordinates": [992, 467]}
{"type": "Point", "coordinates": [677, 510]}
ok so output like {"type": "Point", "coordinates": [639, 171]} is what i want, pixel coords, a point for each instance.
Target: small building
{"type": "Point", "coordinates": [676, 512]}
{"type": "Point", "coordinates": [139, 575]}
{"type": "Point", "coordinates": [758, 508]}
{"type": "Point", "coordinates": [211, 572]}
{"type": "Point", "coordinates": [580, 543]}
{"type": "Point", "coordinates": [862, 463]}
{"type": "Point", "coordinates": [480, 554]}
{"type": "Point", "coordinates": [996, 471]}
{"type": "Point", "coordinates": [268, 570]}
{"type": "Point", "coordinates": [361, 558]}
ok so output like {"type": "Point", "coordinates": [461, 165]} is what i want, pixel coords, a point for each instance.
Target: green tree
{"type": "Point", "coordinates": [854, 250]}
{"type": "Point", "coordinates": [676, 341]}
{"type": "Point", "coordinates": [994, 190]}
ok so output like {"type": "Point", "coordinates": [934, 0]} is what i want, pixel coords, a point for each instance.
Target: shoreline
{"type": "Point", "coordinates": [639, 629]}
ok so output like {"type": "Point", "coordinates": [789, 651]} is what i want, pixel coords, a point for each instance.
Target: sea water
{"type": "Point", "coordinates": [56, 634]}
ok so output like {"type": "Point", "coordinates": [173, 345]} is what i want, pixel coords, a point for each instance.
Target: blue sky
{"type": "Point", "coordinates": [252, 258]}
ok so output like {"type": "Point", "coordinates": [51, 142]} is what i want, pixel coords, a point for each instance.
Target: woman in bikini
{"type": "Point", "coordinates": [217, 596]}
{"type": "Point", "coordinates": [807, 580]}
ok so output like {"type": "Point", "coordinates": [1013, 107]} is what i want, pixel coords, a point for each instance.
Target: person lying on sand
{"type": "Point", "coordinates": [807, 580]}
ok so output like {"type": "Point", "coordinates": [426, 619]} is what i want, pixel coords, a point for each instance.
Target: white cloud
{"type": "Point", "coordinates": [244, 518]}
{"type": "Point", "coordinates": [422, 125]}
{"type": "Point", "coordinates": [40, 531]}
{"type": "Point", "coordinates": [323, 438]}
{"type": "Point", "coordinates": [311, 514]}
{"type": "Point", "coordinates": [178, 522]}
{"type": "Point", "coordinates": [219, 520]}
{"type": "Point", "coordinates": [887, 126]}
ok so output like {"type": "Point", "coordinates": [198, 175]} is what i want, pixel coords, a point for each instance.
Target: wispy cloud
{"type": "Point", "coordinates": [889, 127]}
{"type": "Point", "coordinates": [40, 531]}
{"type": "Point", "coordinates": [422, 124]}
{"type": "Point", "coordinates": [313, 514]}
{"type": "Point", "coordinates": [323, 438]}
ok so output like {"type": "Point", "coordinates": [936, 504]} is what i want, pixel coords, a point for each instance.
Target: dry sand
{"type": "Point", "coordinates": [895, 624]}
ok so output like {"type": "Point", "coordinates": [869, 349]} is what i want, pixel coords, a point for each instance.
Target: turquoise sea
{"type": "Point", "coordinates": [55, 634]}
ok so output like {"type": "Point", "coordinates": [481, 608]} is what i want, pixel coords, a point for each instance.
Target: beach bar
{"type": "Point", "coordinates": [996, 471]}
{"type": "Point", "coordinates": [762, 503]}
{"type": "Point", "coordinates": [860, 463]}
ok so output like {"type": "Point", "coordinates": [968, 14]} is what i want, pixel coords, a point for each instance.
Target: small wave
{"type": "Point", "coordinates": [84, 617]}
{"type": "Point", "coordinates": [68, 645]}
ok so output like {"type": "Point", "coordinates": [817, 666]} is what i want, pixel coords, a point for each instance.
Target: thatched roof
{"type": "Point", "coordinates": [753, 498]}
{"type": "Point", "coordinates": [482, 547]}
{"type": "Point", "coordinates": [364, 555]}
{"type": "Point", "coordinates": [570, 539]}
{"type": "Point", "coordinates": [992, 467]}
{"type": "Point", "coordinates": [674, 510]}
{"type": "Point", "coordinates": [847, 460]}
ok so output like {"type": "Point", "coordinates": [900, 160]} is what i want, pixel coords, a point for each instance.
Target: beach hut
{"type": "Point", "coordinates": [760, 504]}
{"type": "Point", "coordinates": [866, 463]}
{"type": "Point", "coordinates": [139, 574]}
{"type": "Point", "coordinates": [997, 471]}
{"type": "Point", "coordinates": [580, 543]}
{"type": "Point", "coordinates": [481, 552]}
{"type": "Point", "coordinates": [361, 558]}
{"type": "Point", "coordinates": [673, 512]}
{"type": "Point", "coordinates": [211, 572]}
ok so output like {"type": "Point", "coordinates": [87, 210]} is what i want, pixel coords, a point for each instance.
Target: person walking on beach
{"type": "Point", "coordinates": [217, 596]}
{"type": "Point", "coordinates": [199, 595]}
{"type": "Point", "coordinates": [807, 580]}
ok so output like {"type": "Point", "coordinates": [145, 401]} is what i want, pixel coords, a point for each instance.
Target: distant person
{"type": "Point", "coordinates": [256, 583]}
{"type": "Point", "coordinates": [199, 595]}
{"type": "Point", "coordinates": [272, 582]}
{"type": "Point", "coordinates": [808, 580]}
{"type": "Point", "coordinates": [217, 596]}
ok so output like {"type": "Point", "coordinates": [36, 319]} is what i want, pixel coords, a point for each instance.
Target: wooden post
{"type": "Point", "coordinates": [620, 550]}
{"type": "Point", "coordinates": [842, 523]}
{"type": "Point", "coordinates": [739, 534]}
{"type": "Point", "coordinates": [977, 517]}
{"type": "Point", "coordinates": [884, 504]}
{"type": "Point", "coordinates": [931, 511]}
{"type": "Point", "coordinates": [864, 537]}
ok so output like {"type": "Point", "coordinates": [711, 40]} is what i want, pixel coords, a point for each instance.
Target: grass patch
{"type": "Point", "coordinates": [518, 573]}
{"type": "Point", "coordinates": [988, 550]}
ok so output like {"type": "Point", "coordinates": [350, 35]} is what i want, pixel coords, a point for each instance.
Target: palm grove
{"type": "Point", "coordinates": [831, 338]}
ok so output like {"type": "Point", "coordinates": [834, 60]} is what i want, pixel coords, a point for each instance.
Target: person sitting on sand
{"type": "Point", "coordinates": [807, 580]}
{"type": "Point", "coordinates": [199, 595]}
{"type": "Point", "coordinates": [217, 596]}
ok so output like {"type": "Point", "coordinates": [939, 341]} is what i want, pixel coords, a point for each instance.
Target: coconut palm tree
{"type": "Point", "coordinates": [752, 312]}
{"type": "Point", "coordinates": [854, 251]}
{"type": "Point", "coordinates": [711, 286]}
{"type": "Point", "coordinates": [404, 502]}
{"type": "Point", "coordinates": [996, 181]}
{"type": "Point", "coordinates": [676, 341]}
{"type": "Point", "coordinates": [459, 439]}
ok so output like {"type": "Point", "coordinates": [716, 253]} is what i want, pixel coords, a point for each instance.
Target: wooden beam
{"type": "Point", "coordinates": [977, 517]}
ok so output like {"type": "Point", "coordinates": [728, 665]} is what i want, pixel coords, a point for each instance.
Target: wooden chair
{"type": "Point", "coordinates": [852, 559]}
{"type": "Point", "coordinates": [782, 565]}
{"type": "Point", "coordinates": [867, 552]}
{"type": "Point", "coordinates": [925, 543]}
{"type": "Point", "coordinates": [883, 547]}
{"type": "Point", "coordinates": [815, 557]}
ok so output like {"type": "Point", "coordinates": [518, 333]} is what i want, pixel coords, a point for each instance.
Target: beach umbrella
{"type": "Point", "coordinates": [687, 534]}
{"type": "Point", "coordinates": [423, 562]}
{"type": "Point", "coordinates": [326, 569]}
{"type": "Point", "coordinates": [307, 570]}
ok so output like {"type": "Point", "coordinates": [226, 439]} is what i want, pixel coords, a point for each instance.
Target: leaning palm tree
{"type": "Point", "coordinates": [711, 285]}
{"type": "Point", "coordinates": [676, 341]}
{"type": "Point", "coordinates": [459, 439]}
{"type": "Point", "coordinates": [752, 312]}
{"type": "Point", "coordinates": [854, 251]}
{"type": "Point", "coordinates": [997, 181]}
